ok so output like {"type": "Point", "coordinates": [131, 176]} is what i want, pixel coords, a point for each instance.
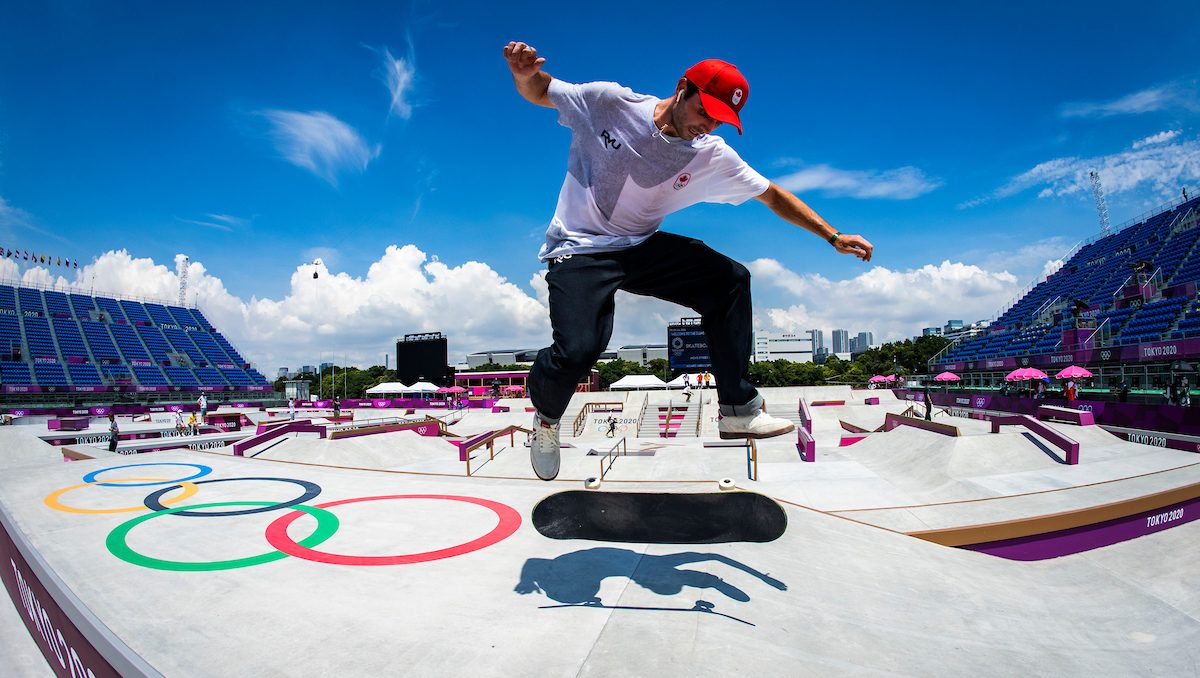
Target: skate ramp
{"type": "Point", "coordinates": [20, 447]}
{"type": "Point", "coordinates": [829, 597]}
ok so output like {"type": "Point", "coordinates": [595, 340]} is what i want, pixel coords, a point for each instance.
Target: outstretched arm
{"type": "Point", "coordinates": [526, 66]}
{"type": "Point", "coordinates": [793, 210]}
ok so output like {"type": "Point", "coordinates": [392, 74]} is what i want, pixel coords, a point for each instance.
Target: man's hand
{"type": "Point", "coordinates": [526, 66]}
{"type": "Point", "coordinates": [523, 59]}
{"type": "Point", "coordinates": [854, 244]}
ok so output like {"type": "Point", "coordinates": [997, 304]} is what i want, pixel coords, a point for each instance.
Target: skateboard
{"type": "Point", "coordinates": [660, 517]}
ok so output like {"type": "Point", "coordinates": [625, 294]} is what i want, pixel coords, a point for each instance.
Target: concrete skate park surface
{"type": "Point", "coordinates": [426, 571]}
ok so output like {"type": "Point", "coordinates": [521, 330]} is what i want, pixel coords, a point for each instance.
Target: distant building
{"type": "Point", "coordinates": [642, 353]}
{"type": "Point", "coordinates": [283, 372]}
{"type": "Point", "coordinates": [797, 348]}
{"type": "Point", "coordinates": [841, 341]}
{"type": "Point", "coordinates": [510, 356]}
{"type": "Point", "coordinates": [931, 331]}
{"type": "Point", "coordinates": [307, 369]}
{"type": "Point", "coordinates": [865, 340]}
{"type": "Point", "coordinates": [818, 340]}
{"type": "Point", "coordinates": [952, 326]}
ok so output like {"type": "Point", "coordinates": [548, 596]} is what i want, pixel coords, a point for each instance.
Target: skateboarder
{"type": "Point", "coordinates": [633, 160]}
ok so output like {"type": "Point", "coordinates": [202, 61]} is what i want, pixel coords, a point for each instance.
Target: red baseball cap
{"type": "Point", "coordinates": [723, 89]}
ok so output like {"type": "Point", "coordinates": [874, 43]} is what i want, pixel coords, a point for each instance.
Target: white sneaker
{"type": "Point", "coordinates": [758, 425]}
{"type": "Point", "coordinates": [543, 448]}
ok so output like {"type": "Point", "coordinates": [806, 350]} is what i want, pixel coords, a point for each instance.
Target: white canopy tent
{"type": "Point", "coordinates": [422, 387]}
{"type": "Point", "coordinates": [639, 381]}
{"type": "Point", "coordinates": [387, 388]}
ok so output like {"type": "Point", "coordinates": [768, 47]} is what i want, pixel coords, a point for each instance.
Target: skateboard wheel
{"type": "Point", "coordinates": [726, 484]}
{"type": "Point", "coordinates": [592, 483]}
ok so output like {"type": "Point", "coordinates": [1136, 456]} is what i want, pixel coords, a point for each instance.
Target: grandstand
{"type": "Point", "coordinates": [1129, 298]}
{"type": "Point", "coordinates": [53, 342]}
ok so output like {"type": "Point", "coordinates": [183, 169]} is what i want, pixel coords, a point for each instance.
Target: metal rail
{"type": "Point", "coordinates": [611, 456]}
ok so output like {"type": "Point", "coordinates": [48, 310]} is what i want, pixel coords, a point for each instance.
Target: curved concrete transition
{"type": "Point", "coordinates": [378, 555]}
{"type": "Point", "coordinates": [660, 517]}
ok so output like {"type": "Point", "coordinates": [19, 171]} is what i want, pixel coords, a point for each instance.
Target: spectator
{"type": "Point", "coordinates": [1185, 393]}
{"type": "Point", "coordinates": [291, 408]}
{"type": "Point", "coordinates": [1070, 391]}
{"type": "Point", "coordinates": [202, 401]}
{"type": "Point", "coordinates": [928, 405]}
{"type": "Point", "coordinates": [114, 432]}
{"type": "Point", "coordinates": [337, 406]}
{"type": "Point", "coordinates": [180, 427]}
{"type": "Point", "coordinates": [193, 425]}
{"type": "Point", "coordinates": [1123, 391]}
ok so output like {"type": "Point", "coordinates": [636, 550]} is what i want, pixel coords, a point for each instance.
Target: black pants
{"type": "Point", "coordinates": [670, 267]}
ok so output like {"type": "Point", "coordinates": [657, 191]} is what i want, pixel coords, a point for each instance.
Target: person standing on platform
{"type": "Point", "coordinates": [202, 401]}
{"type": "Point", "coordinates": [928, 405]}
{"type": "Point", "coordinates": [114, 432]}
{"type": "Point", "coordinates": [291, 409]}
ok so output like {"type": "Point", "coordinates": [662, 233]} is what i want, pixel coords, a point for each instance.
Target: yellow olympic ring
{"type": "Point", "coordinates": [52, 501]}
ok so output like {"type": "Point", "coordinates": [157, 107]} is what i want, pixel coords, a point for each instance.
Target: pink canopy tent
{"type": "Point", "coordinates": [1073, 372]}
{"type": "Point", "coordinates": [879, 378]}
{"type": "Point", "coordinates": [947, 376]}
{"type": "Point", "coordinates": [442, 389]}
{"type": "Point", "coordinates": [456, 389]}
{"type": "Point", "coordinates": [1025, 373]}
{"type": "Point", "coordinates": [512, 389]}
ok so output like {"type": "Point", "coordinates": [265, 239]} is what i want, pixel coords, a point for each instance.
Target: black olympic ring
{"type": "Point", "coordinates": [311, 490]}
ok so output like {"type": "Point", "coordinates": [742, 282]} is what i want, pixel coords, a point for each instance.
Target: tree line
{"type": "Point", "coordinates": [904, 358]}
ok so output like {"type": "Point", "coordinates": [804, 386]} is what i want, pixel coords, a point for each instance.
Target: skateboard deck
{"type": "Point", "coordinates": [660, 518]}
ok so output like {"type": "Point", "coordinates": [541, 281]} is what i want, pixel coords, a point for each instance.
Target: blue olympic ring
{"type": "Point", "coordinates": [154, 503]}
{"type": "Point", "coordinates": [203, 471]}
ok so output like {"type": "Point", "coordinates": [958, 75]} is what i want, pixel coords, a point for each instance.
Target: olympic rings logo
{"type": "Point", "coordinates": [159, 504]}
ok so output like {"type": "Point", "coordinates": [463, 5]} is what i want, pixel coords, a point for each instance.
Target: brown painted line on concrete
{"type": "Point", "coordinates": [1013, 496]}
{"type": "Point", "coordinates": [1055, 522]}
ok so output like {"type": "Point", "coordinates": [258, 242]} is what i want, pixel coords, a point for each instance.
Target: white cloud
{"type": "Point", "coordinates": [320, 143]}
{"type": "Point", "coordinates": [894, 305]}
{"type": "Point", "coordinates": [400, 75]}
{"type": "Point", "coordinates": [1159, 138]}
{"type": "Point", "coordinates": [1172, 96]}
{"type": "Point", "coordinates": [1162, 163]}
{"type": "Point", "coordinates": [903, 183]}
{"type": "Point", "coordinates": [13, 217]}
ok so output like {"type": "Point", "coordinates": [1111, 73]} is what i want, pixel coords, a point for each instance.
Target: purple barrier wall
{"type": "Point", "coordinates": [240, 447]}
{"type": "Point", "coordinates": [1158, 350]}
{"type": "Point", "coordinates": [1088, 537]}
{"type": "Point", "coordinates": [1070, 447]}
{"type": "Point", "coordinates": [1172, 418]}
{"type": "Point", "coordinates": [67, 651]}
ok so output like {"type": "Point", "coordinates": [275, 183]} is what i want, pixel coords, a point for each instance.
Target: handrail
{"type": "Point", "coordinates": [471, 444]}
{"type": "Point", "coordinates": [588, 408]}
{"type": "Point", "coordinates": [611, 456]}
{"type": "Point", "coordinates": [240, 447]}
{"type": "Point", "coordinates": [642, 414]}
{"type": "Point", "coordinates": [805, 416]}
{"type": "Point", "coordinates": [699, 415]}
{"type": "Point", "coordinates": [1067, 445]}
{"type": "Point", "coordinates": [665, 432]}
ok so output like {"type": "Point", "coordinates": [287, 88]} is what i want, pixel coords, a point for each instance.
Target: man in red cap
{"type": "Point", "coordinates": [634, 159]}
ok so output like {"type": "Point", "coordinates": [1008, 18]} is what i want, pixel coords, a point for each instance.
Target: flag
{"type": "Point", "coordinates": [26, 255]}
{"type": "Point", "coordinates": [76, 263]}
{"type": "Point", "coordinates": [58, 262]}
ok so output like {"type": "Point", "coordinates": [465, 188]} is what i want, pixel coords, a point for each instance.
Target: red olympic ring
{"type": "Point", "coordinates": [510, 520]}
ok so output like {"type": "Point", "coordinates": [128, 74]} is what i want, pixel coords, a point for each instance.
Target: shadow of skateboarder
{"type": "Point", "coordinates": [575, 578]}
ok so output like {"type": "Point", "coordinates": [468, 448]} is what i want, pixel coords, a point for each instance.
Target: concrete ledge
{"type": "Point", "coordinates": [1066, 414]}
{"type": "Point", "coordinates": [891, 421]}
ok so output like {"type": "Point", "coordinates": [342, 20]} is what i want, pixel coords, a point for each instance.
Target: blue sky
{"type": "Point", "coordinates": [257, 137]}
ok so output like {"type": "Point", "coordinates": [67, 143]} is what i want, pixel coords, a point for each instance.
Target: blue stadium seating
{"type": "Point", "coordinates": [1096, 274]}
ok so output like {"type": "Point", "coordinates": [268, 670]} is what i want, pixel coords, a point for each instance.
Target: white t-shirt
{"type": "Point", "coordinates": [624, 177]}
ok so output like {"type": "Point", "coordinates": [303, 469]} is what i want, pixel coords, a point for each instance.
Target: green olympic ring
{"type": "Point", "coordinates": [327, 524]}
